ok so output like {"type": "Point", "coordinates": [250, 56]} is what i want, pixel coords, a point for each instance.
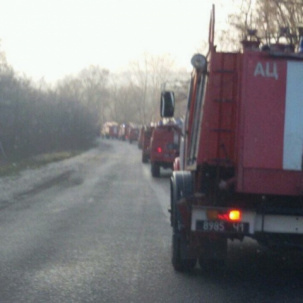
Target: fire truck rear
{"type": "Point", "coordinates": [164, 147]}
{"type": "Point", "coordinates": [241, 156]}
{"type": "Point", "coordinates": [146, 136]}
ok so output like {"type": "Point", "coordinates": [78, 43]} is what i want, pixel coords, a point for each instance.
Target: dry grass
{"type": "Point", "coordinates": [14, 167]}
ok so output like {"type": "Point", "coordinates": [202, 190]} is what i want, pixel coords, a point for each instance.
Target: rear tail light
{"type": "Point", "coordinates": [233, 215]}
{"type": "Point", "coordinates": [159, 150]}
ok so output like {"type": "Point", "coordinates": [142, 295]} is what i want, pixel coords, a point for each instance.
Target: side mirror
{"type": "Point", "coordinates": [167, 104]}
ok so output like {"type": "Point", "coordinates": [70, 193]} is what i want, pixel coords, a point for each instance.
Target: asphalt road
{"type": "Point", "coordinates": [99, 232]}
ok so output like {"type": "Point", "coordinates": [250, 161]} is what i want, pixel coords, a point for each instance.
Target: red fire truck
{"type": "Point", "coordinates": [141, 137]}
{"type": "Point", "coordinates": [110, 130]}
{"type": "Point", "coordinates": [164, 147]}
{"type": "Point", "coordinates": [133, 134]}
{"type": "Point", "coordinates": [241, 157]}
{"type": "Point", "coordinates": [146, 136]}
{"type": "Point", "coordinates": [124, 130]}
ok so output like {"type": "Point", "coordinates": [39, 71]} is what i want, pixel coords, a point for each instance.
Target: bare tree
{"type": "Point", "coordinates": [280, 19]}
{"type": "Point", "coordinates": [273, 20]}
{"type": "Point", "coordinates": [148, 74]}
{"type": "Point", "coordinates": [95, 95]}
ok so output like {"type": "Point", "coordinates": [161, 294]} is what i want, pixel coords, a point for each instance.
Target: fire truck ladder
{"type": "Point", "coordinates": [225, 97]}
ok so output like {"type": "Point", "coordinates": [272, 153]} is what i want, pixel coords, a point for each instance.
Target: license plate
{"type": "Point", "coordinates": [222, 226]}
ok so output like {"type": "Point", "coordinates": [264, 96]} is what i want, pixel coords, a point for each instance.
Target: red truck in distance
{"type": "Point", "coordinates": [241, 159]}
{"type": "Point", "coordinates": [110, 130]}
{"type": "Point", "coordinates": [146, 136]}
{"type": "Point", "coordinates": [164, 147]}
{"type": "Point", "coordinates": [133, 134]}
{"type": "Point", "coordinates": [124, 130]}
{"type": "Point", "coordinates": [140, 137]}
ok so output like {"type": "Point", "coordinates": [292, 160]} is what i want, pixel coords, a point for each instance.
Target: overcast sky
{"type": "Point", "coordinates": [54, 38]}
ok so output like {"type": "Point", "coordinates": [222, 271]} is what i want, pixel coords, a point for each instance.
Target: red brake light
{"type": "Point", "coordinates": [159, 150]}
{"type": "Point", "coordinates": [223, 216]}
{"type": "Point", "coordinates": [231, 215]}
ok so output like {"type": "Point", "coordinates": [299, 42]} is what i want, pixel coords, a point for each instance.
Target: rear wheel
{"type": "Point", "coordinates": [181, 186]}
{"type": "Point", "coordinates": [144, 159]}
{"type": "Point", "coordinates": [155, 170]}
{"type": "Point", "coordinates": [180, 261]}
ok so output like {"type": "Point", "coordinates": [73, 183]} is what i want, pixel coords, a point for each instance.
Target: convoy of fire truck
{"type": "Point", "coordinates": [159, 143]}
{"type": "Point", "coordinates": [237, 162]}
{"type": "Point", "coordinates": [125, 131]}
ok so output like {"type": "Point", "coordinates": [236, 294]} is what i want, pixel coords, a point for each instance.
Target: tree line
{"type": "Point", "coordinates": [38, 118]}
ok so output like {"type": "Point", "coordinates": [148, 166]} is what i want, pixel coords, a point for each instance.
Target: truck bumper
{"type": "Point", "coordinates": [251, 223]}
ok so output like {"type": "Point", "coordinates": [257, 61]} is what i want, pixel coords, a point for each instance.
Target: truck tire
{"type": "Point", "coordinates": [144, 159]}
{"type": "Point", "coordinates": [181, 186]}
{"type": "Point", "coordinates": [180, 264]}
{"type": "Point", "coordinates": [155, 170]}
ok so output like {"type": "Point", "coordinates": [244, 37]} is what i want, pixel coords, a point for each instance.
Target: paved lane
{"type": "Point", "coordinates": [99, 232]}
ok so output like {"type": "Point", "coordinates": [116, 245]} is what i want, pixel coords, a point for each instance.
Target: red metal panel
{"type": "Point", "coordinates": [269, 181]}
{"type": "Point", "coordinates": [261, 129]}
{"type": "Point", "coordinates": [264, 110]}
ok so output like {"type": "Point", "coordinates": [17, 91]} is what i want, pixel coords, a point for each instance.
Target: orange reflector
{"type": "Point", "coordinates": [212, 214]}
{"type": "Point", "coordinates": [234, 215]}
